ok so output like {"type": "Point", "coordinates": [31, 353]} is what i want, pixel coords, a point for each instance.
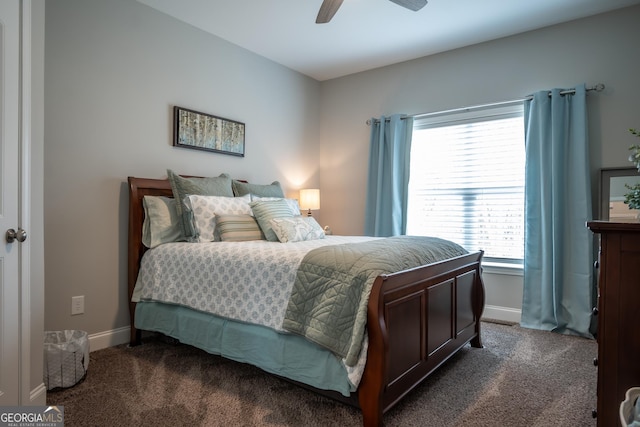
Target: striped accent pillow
{"type": "Point", "coordinates": [265, 211]}
{"type": "Point", "coordinates": [238, 228]}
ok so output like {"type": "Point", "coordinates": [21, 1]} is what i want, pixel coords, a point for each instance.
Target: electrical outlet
{"type": "Point", "coordinates": [77, 305]}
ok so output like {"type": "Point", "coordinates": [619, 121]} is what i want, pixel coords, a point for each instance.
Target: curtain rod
{"type": "Point", "coordinates": [598, 88]}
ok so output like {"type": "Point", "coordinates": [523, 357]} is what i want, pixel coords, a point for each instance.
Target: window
{"type": "Point", "coordinates": [467, 180]}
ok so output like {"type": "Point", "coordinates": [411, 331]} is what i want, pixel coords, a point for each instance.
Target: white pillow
{"type": "Point", "coordinates": [292, 203]}
{"type": "Point", "coordinates": [205, 209]}
{"type": "Point", "coordinates": [297, 229]}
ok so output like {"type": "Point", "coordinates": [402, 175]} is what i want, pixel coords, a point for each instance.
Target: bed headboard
{"type": "Point", "coordinates": [138, 188]}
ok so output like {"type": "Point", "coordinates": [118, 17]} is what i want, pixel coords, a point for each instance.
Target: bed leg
{"type": "Point", "coordinates": [371, 388]}
{"type": "Point", "coordinates": [477, 341]}
{"type": "Point", "coordinates": [478, 308]}
{"type": "Point", "coordinates": [371, 415]}
{"type": "Point", "coordinates": [135, 336]}
{"type": "Point", "coordinates": [369, 421]}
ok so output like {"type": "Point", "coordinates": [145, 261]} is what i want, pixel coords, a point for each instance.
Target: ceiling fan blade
{"type": "Point", "coordinates": [327, 10]}
{"type": "Point", "coordinates": [414, 5]}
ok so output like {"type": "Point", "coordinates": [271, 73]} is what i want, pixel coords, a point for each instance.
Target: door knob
{"type": "Point", "coordinates": [13, 235]}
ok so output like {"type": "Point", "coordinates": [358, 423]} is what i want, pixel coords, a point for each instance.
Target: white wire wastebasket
{"type": "Point", "coordinates": [66, 358]}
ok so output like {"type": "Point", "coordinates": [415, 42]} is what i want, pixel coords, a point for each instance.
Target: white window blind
{"type": "Point", "coordinates": [467, 180]}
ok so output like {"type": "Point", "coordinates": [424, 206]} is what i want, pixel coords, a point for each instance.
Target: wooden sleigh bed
{"type": "Point", "coordinates": [416, 319]}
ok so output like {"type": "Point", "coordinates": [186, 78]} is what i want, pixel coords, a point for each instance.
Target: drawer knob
{"type": "Point", "coordinates": [595, 361]}
{"type": "Point", "coordinates": [595, 311]}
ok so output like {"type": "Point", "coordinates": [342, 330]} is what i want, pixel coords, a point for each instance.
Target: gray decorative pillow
{"type": "Point", "coordinates": [182, 187]}
{"type": "Point", "coordinates": [238, 228]}
{"type": "Point", "coordinates": [161, 221]}
{"type": "Point", "coordinates": [297, 229]}
{"type": "Point", "coordinates": [265, 211]}
{"type": "Point", "coordinates": [271, 190]}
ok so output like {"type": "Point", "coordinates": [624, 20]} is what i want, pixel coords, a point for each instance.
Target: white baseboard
{"type": "Point", "coordinates": [505, 314]}
{"type": "Point", "coordinates": [38, 396]}
{"type": "Point", "coordinates": [119, 336]}
{"type": "Point", "coordinates": [110, 338]}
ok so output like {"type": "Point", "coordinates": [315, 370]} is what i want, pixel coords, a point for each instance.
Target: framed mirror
{"type": "Point", "coordinates": [612, 191]}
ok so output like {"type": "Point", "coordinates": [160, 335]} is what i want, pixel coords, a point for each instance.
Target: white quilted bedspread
{"type": "Point", "coordinates": [245, 281]}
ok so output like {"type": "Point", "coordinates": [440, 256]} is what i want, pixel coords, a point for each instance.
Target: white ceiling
{"type": "Point", "coordinates": [366, 34]}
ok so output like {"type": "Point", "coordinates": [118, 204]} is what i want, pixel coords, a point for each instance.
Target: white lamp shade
{"type": "Point", "coordinates": [310, 199]}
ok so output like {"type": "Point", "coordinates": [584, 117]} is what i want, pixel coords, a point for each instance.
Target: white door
{"type": "Point", "coordinates": [9, 133]}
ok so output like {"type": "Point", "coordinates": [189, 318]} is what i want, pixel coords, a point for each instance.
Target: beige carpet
{"type": "Point", "coordinates": [521, 378]}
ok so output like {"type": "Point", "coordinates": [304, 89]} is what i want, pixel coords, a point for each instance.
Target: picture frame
{"type": "Point", "coordinates": [202, 131]}
{"type": "Point", "coordinates": [612, 191]}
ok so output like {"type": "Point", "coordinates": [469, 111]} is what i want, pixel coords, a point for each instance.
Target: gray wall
{"type": "Point", "coordinates": [114, 69]}
{"type": "Point", "coordinates": [601, 49]}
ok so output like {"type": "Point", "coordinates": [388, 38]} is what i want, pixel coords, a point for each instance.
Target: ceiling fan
{"type": "Point", "coordinates": [330, 7]}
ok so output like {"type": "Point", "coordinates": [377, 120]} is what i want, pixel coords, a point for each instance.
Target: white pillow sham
{"type": "Point", "coordinates": [205, 209]}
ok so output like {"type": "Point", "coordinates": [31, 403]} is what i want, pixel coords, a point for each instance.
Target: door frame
{"type": "Point", "coordinates": [10, 309]}
{"type": "Point", "coordinates": [32, 390]}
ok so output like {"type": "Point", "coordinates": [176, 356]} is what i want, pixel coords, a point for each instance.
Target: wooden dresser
{"type": "Point", "coordinates": [618, 314]}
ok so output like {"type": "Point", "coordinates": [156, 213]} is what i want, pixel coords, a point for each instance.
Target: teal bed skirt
{"type": "Point", "coordinates": [287, 355]}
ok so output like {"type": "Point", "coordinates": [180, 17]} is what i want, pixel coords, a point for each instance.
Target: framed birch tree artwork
{"type": "Point", "coordinates": [201, 131]}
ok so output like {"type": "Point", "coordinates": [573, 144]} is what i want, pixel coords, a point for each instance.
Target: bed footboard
{"type": "Point", "coordinates": [417, 319]}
